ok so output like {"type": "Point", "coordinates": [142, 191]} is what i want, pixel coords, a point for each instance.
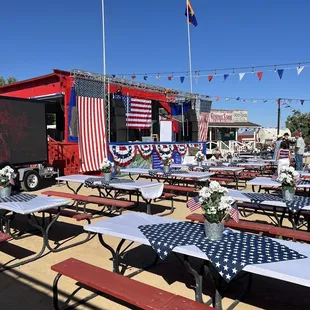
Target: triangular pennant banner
{"type": "Point", "coordinates": [157, 77]}
{"type": "Point", "coordinates": [227, 99]}
{"type": "Point", "coordinates": [280, 73]}
{"type": "Point", "coordinates": [170, 78]}
{"type": "Point", "coordinates": [302, 102]}
{"type": "Point", "coordinates": [260, 75]}
{"type": "Point", "coordinates": [217, 98]}
{"type": "Point", "coordinates": [182, 79]}
{"type": "Point", "coordinates": [210, 77]}
{"type": "Point", "coordinates": [133, 77]}
{"type": "Point", "coordinates": [238, 98]}
{"type": "Point", "coordinates": [225, 77]}
{"type": "Point", "coordinates": [299, 69]}
{"type": "Point", "coordinates": [145, 77]}
{"type": "Point", "coordinates": [241, 75]}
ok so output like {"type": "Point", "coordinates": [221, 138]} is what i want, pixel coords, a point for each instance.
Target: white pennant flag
{"type": "Point", "coordinates": [157, 77]}
{"type": "Point", "coordinates": [241, 75]}
{"type": "Point", "coordinates": [299, 69]}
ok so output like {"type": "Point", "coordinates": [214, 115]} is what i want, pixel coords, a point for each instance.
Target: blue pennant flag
{"type": "Point", "coordinates": [280, 73]}
{"type": "Point", "coordinates": [302, 102]}
{"type": "Point", "coordinates": [182, 79]}
{"type": "Point", "coordinates": [225, 77]}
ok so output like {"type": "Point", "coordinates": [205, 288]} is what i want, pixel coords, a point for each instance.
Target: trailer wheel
{"type": "Point", "coordinates": [31, 181]}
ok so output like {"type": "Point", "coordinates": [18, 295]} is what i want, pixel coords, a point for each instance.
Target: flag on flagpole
{"type": "Point", "coordinates": [191, 14]}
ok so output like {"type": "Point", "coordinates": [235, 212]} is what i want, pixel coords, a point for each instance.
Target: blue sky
{"type": "Point", "coordinates": [151, 36]}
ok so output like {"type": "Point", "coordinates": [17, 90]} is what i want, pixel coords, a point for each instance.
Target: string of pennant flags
{"type": "Point", "coordinates": [241, 72]}
{"type": "Point", "coordinates": [284, 101]}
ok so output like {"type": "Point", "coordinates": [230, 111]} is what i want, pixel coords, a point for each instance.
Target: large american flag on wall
{"type": "Point", "coordinates": [203, 126]}
{"type": "Point", "coordinates": [92, 132]}
{"type": "Point", "coordinates": [138, 112]}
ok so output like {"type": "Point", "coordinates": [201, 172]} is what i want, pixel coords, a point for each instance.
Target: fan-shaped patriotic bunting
{"type": "Point", "coordinates": [199, 145]}
{"type": "Point", "coordinates": [145, 150]}
{"type": "Point", "coordinates": [164, 149]}
{"type": "Point", "coordinates": [181, 149]}
{"type": "Point", "coordinates": [123, 154]}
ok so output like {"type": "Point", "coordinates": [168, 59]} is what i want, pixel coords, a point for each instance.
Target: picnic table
{"type": "Point", "coordinates": [27, 205]}
{"type": "Point", "coordinates": [274, 202]}
{"type": "Point", "coordinates": [227, 173]}
{"type": "Point", "coordinates": [149, 190]}
{"type": "Point", "coordinates": [136, 227]}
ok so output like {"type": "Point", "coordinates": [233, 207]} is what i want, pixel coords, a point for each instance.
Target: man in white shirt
{"type": "Point", "coordinates": [299, 150]}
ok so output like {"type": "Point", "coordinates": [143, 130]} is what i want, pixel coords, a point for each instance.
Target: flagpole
{"type": "Point", "coordinates": [103, 40]}
{"type": "Point", "coordinates": [189, 50]}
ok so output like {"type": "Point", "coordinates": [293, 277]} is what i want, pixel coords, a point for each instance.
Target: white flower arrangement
{"type": "Point", "coordinates": [215, 203]}
{"type": "Point", "coordinates": [256, 151]}
{"type": "Point", "coordinates": [7, 176]}
{"type": "Point", "coordinates": [167, 160]}
{"type": "Point", "coordinates": [199, 157]}
{"type": "Point", "coordinates": [288, 177]}
{"type": "Point", "coordinates": [107, 166]}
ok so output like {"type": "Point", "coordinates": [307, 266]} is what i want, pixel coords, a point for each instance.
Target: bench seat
{"type": "Point", "coordinates": [243, 225]}
{"type": "Point", "coordinates": [70, 214]}
{"type": "Point", "coordinates": [178, 188]}
{"type": "Point", "coordinates": [259, 228]}
{"type": "Point", "coordinates": [91, 199]}
{"type": "Point", "coordinates": [125, 289]}
{"type": "Point", "coordinates": [4, 237]}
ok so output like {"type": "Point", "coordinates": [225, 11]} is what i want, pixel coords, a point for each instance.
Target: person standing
{"type": "Point", "coordinates": [277, 146]}
{"type": "Point", "coordinates": [299, 150]}
{"type": "Point", "coordinates": [283, 156]}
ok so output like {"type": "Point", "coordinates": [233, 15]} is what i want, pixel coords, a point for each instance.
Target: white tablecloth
{"type": "Point", "coordinates": [126, 227]}
{"type": "Point", "coordinates": [148, 190]}
{"type": "Point", "coordinates": [263, 181]}
{"type": "Point", "coordinates": [190, 174]}
{"type": "Point", "coordinates": [37, 204]}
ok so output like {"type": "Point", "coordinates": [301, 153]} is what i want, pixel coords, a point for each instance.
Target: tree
{"type": "Point", "coordinates": [299, 122]}
{"type": "Point", "coordinates": [2, 81]}
{"type": "Point", "coordinates": [9, 80]}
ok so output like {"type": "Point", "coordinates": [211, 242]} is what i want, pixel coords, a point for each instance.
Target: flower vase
{"type": "Point", "coordinates": [214, 231]}
{"type": "Point", "coordinates": [288, 193]}
{"type": "Point", "coordinates": [107, 176]}
{"type": "Point", "coordinates": [166, 169]}
{"type": "Point", "coordinates": [5, 191]}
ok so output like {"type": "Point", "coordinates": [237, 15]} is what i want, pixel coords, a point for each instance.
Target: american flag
{"type": "Point", "coordinates": [194, 204]}
{"type": "Point", "coordinates": [234, 213]}
{"type": "Point", "coordinates": [92, 134]}
{"type": "Point", "coordinates": [203, 126]}
{"type": "Point", "coordinates": [138, 112]}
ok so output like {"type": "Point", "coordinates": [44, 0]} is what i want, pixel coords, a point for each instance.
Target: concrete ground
{"type": "Point", "coordinates": [29, 287]}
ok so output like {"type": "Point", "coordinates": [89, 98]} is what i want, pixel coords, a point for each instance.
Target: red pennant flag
{"type": "Point", "coordinates": [133, 77]}
{"type": "Point", "coordinates": [169, 78]}
{"type": "Point", "coordinates": [217, 98]}
{"type": "Point", "coordinates": [260, 75]}
{"type": "Point", "coordinates": [210, 77]}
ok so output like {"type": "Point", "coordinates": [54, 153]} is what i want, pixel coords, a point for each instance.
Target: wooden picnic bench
{"type": "Point", "coordinates": [259, 228]}
{"type": "Point", "coordinates": [112, 204]}
{"type": "Point", "coordinates": [126, 290]}
{"type": "Point", "coordinates": [4, 237]}
{"type": "Point", "coordinates": [182, 189]}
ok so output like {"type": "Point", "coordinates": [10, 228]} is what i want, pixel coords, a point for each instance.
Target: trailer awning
{"type": "Point", "coordinates": [49, 96]}
{"type": "Point", "coordinates": [234, 125]}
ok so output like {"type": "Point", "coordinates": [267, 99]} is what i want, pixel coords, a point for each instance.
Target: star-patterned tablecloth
{"type": "Point", "coordinates": [18, 197]}
{"type": "Point", "coordinates": [229, 256]}
{"type": "Point", "coordinates": [294, 206]}
{"type": "Point", "coordinates": [100, 182]}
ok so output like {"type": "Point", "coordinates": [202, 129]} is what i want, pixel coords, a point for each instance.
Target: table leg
{"type": "Point", "coordinates": [72, 189]}
{"type": "Point", "coordinates": [38, 255]}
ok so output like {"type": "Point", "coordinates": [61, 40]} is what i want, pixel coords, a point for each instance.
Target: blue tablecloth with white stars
{"type": "Point", "coordinates": [294, 206]}
{"type": "Point", "coordinates": [229, 256]}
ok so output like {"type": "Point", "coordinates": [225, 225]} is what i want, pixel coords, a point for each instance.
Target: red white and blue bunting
{"type": "Point", "coordinates": [123, 154]}
{"type": "Point", "coordinates": [181, 149]}
{"type": "Point", "coordinates": [145, 150]}
{"type": "Point", "coordinates": [164, 149]}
